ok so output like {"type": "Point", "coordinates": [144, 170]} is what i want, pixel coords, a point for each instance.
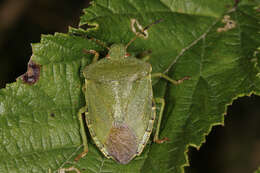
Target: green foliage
{"type": "Point", "coordinates": [38, 123]}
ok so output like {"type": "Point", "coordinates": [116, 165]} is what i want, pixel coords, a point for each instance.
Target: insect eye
{"type": "Point", "coordinates": [107, 56]}
{"type": "Point", "coordinates": [127, 55]}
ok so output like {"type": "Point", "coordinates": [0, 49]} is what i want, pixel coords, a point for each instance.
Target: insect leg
{"type": "Point", "coordinates": [95, 59]}
{"type": "Point", "coordinates": [83, 133]}
{"type": "Point", "coordinates": [99, 42]}
{"type": "Point", "coordinates": [174, 82]}
{"type": "Point", "coordinates": [156, 136]}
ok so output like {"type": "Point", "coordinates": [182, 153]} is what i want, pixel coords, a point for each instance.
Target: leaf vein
{"type": "Point", "coordinates": [190, 46]}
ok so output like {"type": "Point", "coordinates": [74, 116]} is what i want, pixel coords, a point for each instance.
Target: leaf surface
{"type": "Point", "coordinates": [38, 122]}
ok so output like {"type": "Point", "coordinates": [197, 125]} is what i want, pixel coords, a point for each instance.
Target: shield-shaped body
{"type": "Point", "coordinates": [119, 101]}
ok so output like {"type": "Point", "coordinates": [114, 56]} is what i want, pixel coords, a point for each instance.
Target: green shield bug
{"type": "Point", "coordinates": [120, 108]}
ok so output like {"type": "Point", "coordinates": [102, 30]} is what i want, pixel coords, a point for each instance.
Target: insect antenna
{"type": "Point", "coordinates": [151, 24]}
{"type": "Point", "coordinates": [142, 31]}
{"type": "Point", "coordinates": [99, 42]}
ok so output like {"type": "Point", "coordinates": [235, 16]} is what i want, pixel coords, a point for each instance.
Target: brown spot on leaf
{"type": "Point", "coordinates": [121, 143]}
{"type": "Point", "coordinates": [33, 73]}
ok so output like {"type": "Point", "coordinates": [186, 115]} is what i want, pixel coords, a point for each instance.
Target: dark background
{"type": "Point", "coordinates": [234, 148]}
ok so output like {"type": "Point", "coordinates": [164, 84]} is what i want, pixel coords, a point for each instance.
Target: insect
{"type": "Point", "coordinates": [120, 108]}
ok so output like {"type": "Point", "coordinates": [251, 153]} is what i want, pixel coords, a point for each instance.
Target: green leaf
{"type": "Point", "coordinates": [38, 122]}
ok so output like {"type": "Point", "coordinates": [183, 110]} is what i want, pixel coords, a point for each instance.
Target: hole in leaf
{"type": "Point", "coordinates": [33, 73]}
